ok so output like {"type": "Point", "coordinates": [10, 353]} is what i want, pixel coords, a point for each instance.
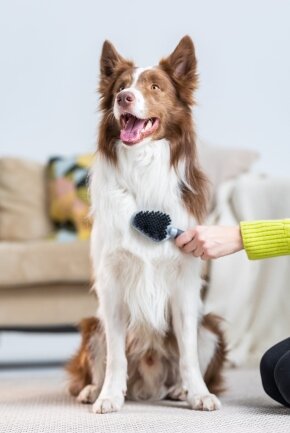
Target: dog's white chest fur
{"type": "Point", "coordinates": [142, 272]}
{"type": "Point", "coordinates": [146, 175]}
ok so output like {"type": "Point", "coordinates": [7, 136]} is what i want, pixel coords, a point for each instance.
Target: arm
{"type": "Point", "coordinates": [261, 239]}
{"type": "Point", "coordinates": [210, 242]}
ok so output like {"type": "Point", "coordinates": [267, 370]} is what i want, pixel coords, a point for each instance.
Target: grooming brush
{"type": "Point", "coordinates": [155, 225]}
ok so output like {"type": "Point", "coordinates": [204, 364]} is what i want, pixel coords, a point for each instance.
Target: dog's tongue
{"type": "Point", "coordinates": [132, 131]}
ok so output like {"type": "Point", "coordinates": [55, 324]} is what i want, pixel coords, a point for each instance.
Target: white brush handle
{"type": "Point", "coordinates": [173, 232]}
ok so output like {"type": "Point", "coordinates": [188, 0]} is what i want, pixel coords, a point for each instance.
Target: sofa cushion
{"type": "Point", "coordinates": [46, 304]}
{"type": "Point", "coordinates": [221, 164]}
{"type": "Point", "coordinates": [43, 262]}
{"type": "Point", "coordinates": [23, 210]}
{"type": "Point", "coordinates": [68, 194]}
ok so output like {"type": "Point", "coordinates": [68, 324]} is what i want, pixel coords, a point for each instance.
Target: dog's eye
{"type": "Point", "coordinates": [155, 86]}
{"type": "Point", "coordinates": [121, 88]}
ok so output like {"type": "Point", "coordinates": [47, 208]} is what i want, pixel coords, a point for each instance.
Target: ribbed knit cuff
{"type": "Point", "coordinates": [263, 239]}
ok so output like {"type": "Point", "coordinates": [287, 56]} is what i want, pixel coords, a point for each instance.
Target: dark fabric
{"type": "Point", "coordinates": [275, 372]}
{"type": "Point", "coordinates": [282, 376]}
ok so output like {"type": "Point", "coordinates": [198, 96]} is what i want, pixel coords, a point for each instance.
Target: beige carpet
{"type": "Point", "coordinates": [36, 402]}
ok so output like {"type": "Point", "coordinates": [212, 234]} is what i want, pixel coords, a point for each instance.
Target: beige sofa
{"type": "Point", "coordinates": [44, 282]}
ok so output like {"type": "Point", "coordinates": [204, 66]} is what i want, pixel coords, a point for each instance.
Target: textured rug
{"type": "Point", "coordinates": [37, 402]}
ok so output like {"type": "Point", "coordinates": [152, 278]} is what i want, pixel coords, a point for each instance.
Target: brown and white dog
{"type": "Point", "coordinates": [150, 339]}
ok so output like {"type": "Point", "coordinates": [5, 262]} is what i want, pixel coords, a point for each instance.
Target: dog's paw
{"type": "Point", "coordinates": [108, 404]}
{"type": "Point", "coordinates": [88, 394]}
{"type": "Point", "coordinates": [177, 392]}
{"type": "Point", "coordinates": [204, 402]}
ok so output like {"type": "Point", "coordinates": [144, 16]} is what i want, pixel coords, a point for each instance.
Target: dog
{"type": "Point", "coordinates": [150, 339]}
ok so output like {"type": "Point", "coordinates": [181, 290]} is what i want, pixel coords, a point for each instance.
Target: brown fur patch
{"type": "Point", "coordinates": [78, 367]}
{"type": "Point", "coordinates": [176, 125]}
{"type": "Point", "coordinates": [181, 67]}
{"type": "Point", "coordinates": [213, 376]}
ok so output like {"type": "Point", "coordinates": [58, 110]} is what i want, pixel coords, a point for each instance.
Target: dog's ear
{"type": "Point", "coordinates": [110, 60]}
{"type": "Point", "coordinates": [111, 65]}
{"type": "Point", "coordinates": [181, 67]}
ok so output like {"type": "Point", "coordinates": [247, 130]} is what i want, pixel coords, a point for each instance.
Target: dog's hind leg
{"type": "Point", "coordinates": [88, 394]}
{"type": "Point", "coordinates": [212, 351]}
{"type": "Point", "coordinates": [177, 392]}
{"type": "Point", "coordinates": [87, 368]}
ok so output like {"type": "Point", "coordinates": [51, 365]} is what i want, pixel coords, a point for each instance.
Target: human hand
{"type": "Point", "coordinates": [210, 242]}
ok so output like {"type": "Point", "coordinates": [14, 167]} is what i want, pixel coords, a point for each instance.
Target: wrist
{"type": "Point", "coordinates": [239, 238]}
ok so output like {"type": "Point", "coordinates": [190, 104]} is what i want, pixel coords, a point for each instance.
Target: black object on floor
{"type": "Point", "coordinates": [275, 372]}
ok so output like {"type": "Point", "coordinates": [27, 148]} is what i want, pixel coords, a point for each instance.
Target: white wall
{"type": "Point", "coordinates": [49, 52]}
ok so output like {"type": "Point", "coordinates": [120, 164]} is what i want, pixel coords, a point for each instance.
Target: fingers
{"type": "Point", "coordinates": [198, 251]}
{"type": "Point", "coordinates": [189, 247]}
{"type": "Point", "coordinates": [192, 242]}
{"type": "Point", "coordinates": [185, 238]}
{"type": "Point", "coordinates": [189, 243]}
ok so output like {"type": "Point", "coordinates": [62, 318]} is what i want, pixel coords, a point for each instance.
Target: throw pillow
{"type": "Point", "coordinates": [68, 195]}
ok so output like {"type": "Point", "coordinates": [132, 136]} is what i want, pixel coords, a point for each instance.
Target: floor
{"type": "Point", "coordinates": [37, 401]}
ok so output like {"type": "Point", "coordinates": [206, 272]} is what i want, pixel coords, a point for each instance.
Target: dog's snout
{"type": "Point", "coordinates": [124, 99]}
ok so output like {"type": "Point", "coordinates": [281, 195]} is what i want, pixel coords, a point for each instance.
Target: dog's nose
{"type": "Point", "coordinates": [124, 99]}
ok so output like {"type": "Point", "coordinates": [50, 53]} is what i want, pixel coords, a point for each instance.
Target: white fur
{"type": "Point", "coordinates": [148, 271]}
{"type": "Point", "coordinates": [140, 284]}
{"type": "Point", "coordinates": [139, 108]}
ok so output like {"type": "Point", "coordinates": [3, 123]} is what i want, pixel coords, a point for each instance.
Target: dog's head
{"type": "Point", "coordinates": [144, 104]}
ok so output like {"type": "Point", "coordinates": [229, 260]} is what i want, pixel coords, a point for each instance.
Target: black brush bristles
{"type": "Point", "coordinates": [152, 224]}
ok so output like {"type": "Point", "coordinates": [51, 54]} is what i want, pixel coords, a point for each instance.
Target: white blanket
{"type": "Point", "coordinates": [253, 296]}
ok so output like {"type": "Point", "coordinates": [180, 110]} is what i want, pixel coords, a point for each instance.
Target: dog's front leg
{"type": "Point", "coordinates": [113, 392]}
{"type": "Point", "coordinates": [185, 308]}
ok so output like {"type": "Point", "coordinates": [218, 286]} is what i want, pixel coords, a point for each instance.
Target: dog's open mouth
{"type": "Point", "coordinates": [134, 130]}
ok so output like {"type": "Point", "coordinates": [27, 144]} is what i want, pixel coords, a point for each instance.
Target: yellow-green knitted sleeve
{"type": "Point", "coordinates": [263, 239]}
